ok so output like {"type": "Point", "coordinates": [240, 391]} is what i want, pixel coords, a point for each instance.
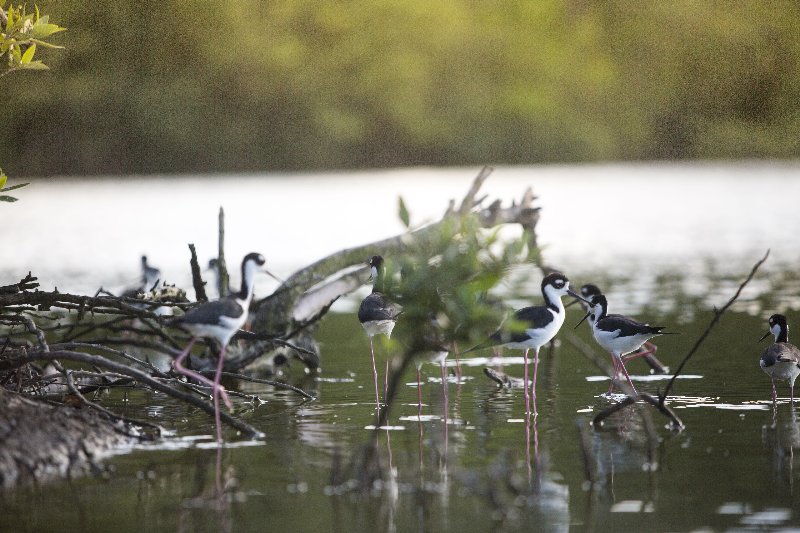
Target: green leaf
{"type": "Point", "coordinates": [46, 44]}
{"type": "Point", "coordinates": [16, 55]}
{"type": "Point", "coordinates": [3, 179]}
{"type": "Point", "coordinates": [18, 186]}
{"type": "Point", "coordinates": [403, 212]}
{"type": "Point", "coordinates": [7, 199]}
{"type": "Point", "coordinates": [27, 57]}
{"type": "Point", "coordinates": [41, 30]}
{"type": "Point", "coordinates": [35, 65]}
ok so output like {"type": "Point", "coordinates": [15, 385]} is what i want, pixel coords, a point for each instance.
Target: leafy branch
{"type": "Point", "coordinates": [22, 33]}
{"type": "Point", "coordinates": [3, 188]}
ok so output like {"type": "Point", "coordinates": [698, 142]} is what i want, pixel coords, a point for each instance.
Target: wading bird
{"type": "Point", "coordinates": [781, 360]}
{"type": "Point", "coordinates": [617, 334]}
{"type": "Point", "coordinates": [378, 315]}
{"type": "Point", "coordinates": [648, 349]}
{"type": "Point", "coordinates": [539, 325]}
{"type": "Point", "coordinates": [220, 320]}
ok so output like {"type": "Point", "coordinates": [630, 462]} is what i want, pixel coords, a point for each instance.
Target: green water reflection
{"type": "Point", "coordinates": [732, 468]}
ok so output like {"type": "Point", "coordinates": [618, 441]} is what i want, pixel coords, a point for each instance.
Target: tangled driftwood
{"type": "Point", "coordinates": [56, 347]}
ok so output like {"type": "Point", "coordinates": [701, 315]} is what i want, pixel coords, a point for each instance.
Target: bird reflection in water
{"type": "Point", "coordinates": [782, 438]}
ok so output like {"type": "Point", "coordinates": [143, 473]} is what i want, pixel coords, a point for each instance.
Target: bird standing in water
{"type": "Point", "coordinates": [648, 348]}
{"type": "Point", "coordinates": [220, 320]}
{"type": "Point", "coordinates": [377, 314]}
{"type": "Point", "coordinates": [541, 323]}
{"type": "Point", "coordinates": [617, 334]}
{"type": "Point", "coordinates": [781, 360]}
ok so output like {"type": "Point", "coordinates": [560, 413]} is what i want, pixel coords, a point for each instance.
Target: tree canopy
{"type": "Point", "coordinates": [197, 86]}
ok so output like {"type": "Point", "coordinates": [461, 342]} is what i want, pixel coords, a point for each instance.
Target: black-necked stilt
{"type": "Point", "coordinates": [149, 278]}
{"type": "Point", "coordinates": [541, 323]}
{"type": "Point", "coordinates": [220, 320]}
{"type": "Point", "coordinates": [648, 349]}
{"type": "Point", "coordinates": [150, 274]}
{"type": "Point", "coordinates": [781, 360]}
{"type": "Point", "coordinates": [618, 334]}
{"type": "Point", "coordinates": [377, 314]}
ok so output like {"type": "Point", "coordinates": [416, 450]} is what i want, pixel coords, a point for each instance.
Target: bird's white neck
{"type": "Point", "coordinates": [780, 332]}
{"type": "Point", "coordinates": [552, 299]}
{"type": "Point", "coordinates": [249, 269]}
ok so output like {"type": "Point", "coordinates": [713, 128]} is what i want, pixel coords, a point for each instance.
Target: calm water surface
{"type": "Point", "coordinates": [669, 243]}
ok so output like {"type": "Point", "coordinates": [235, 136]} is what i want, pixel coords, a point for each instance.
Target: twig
{"type": "Point", "coordinates": [119, 353]}
{"type": "Point", "coordinates": [717, 315]}
{"type": "Point", "coordinates": [30, 326]}
{"type": "Point", "coordinates": [269, 338]}
{"type": "Point", "coordinates": [131, 372]}
{"type": "Point", "coordinates": [197, 280]}
{"type": "Point", "coordinates": [677, 424]}
{"type": "Point", "coordinates": [223, 279]}
{"type": "Point", "coordinates": [26, 284]}
{"type": "Point", "coordinates": [276, 384]}
{"type": "Point", "coordinates": [145, 344]}
{"type": "Point", "coordinates": [100, 304]}
{"type": "Point", "coordinates": [469, 199]}
{"type": "Point", "coordinates": [74, 390]}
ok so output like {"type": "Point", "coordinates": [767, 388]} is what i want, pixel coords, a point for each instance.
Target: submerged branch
{"type": "Point", "coordinates": [717, 315]}
{"type": "Point", "coordinates": [120, 368]}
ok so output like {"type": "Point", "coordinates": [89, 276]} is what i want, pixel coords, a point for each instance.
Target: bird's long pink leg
{"type": "Point", "coordinates": [614, 375]}
{"type": "Point", "coordinates": [454, 349]}
{"type": "Point", "coordinates": [198, 377]}
{"type": "Point", "coordinates": [375, 374]}
{"type": "Point", "coordinates": [218, 390]}
{"type": "Point", "coordinates": [386, 382]}
{"type": "Point", "coordinates": [648, 352]}
{"type": "Point", "coordinates": [419, 393]}
{"type": "Point", "coordinates": [625, 371]}
{"type": "Point", "coordinates": [648, 348]}
{"type": "Point", "coordinates": [535, 371]}
{"type": "Point", "coordinates": [444, 392]}
{"type": "Point", "coordinates": [526, 383]}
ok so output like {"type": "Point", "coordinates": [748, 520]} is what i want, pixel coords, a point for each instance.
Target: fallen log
{"type": "Point", "coordinates": [44, 442]}
{"type": "Point", "coordinates": [297, 304]}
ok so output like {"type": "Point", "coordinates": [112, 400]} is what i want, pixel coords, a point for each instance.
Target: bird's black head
{"type": "Point", "coordinates": [599, 300]}
{"type": "Point", "coordinates": [777, 320]}
{"type": "Point", "coordinates": [778, 327]}
{"type": "Point", "coordinates": [256, 258]}
{"type": "Point", "coordinates": [376, 261]}
{"type": "Point", "coordinates": [557, 280]}
{"type": "Point", "coordinates": [589, 290]}
{"type": "Point", "coordinates": [212, 263]}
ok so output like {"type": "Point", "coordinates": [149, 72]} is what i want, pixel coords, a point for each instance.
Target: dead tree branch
{"type": "Point", "coordinates": [139, 375]}
{"type": "Point", "coordinates": [222, 267]}
{"type": "Point", "coordinates": [28, 283]}
{"type": "Point", "coordinates": [197, 279]}
{"type": "Point", "coordinates": [277, 312]}
{"type": "Point", "coordinates": [717, 315]}
{"type": "Point", "coordinates": [74, 390]}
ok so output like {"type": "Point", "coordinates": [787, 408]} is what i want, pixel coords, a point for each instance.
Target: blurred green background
{"type": "Point", "coordinates": [241, 85]}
